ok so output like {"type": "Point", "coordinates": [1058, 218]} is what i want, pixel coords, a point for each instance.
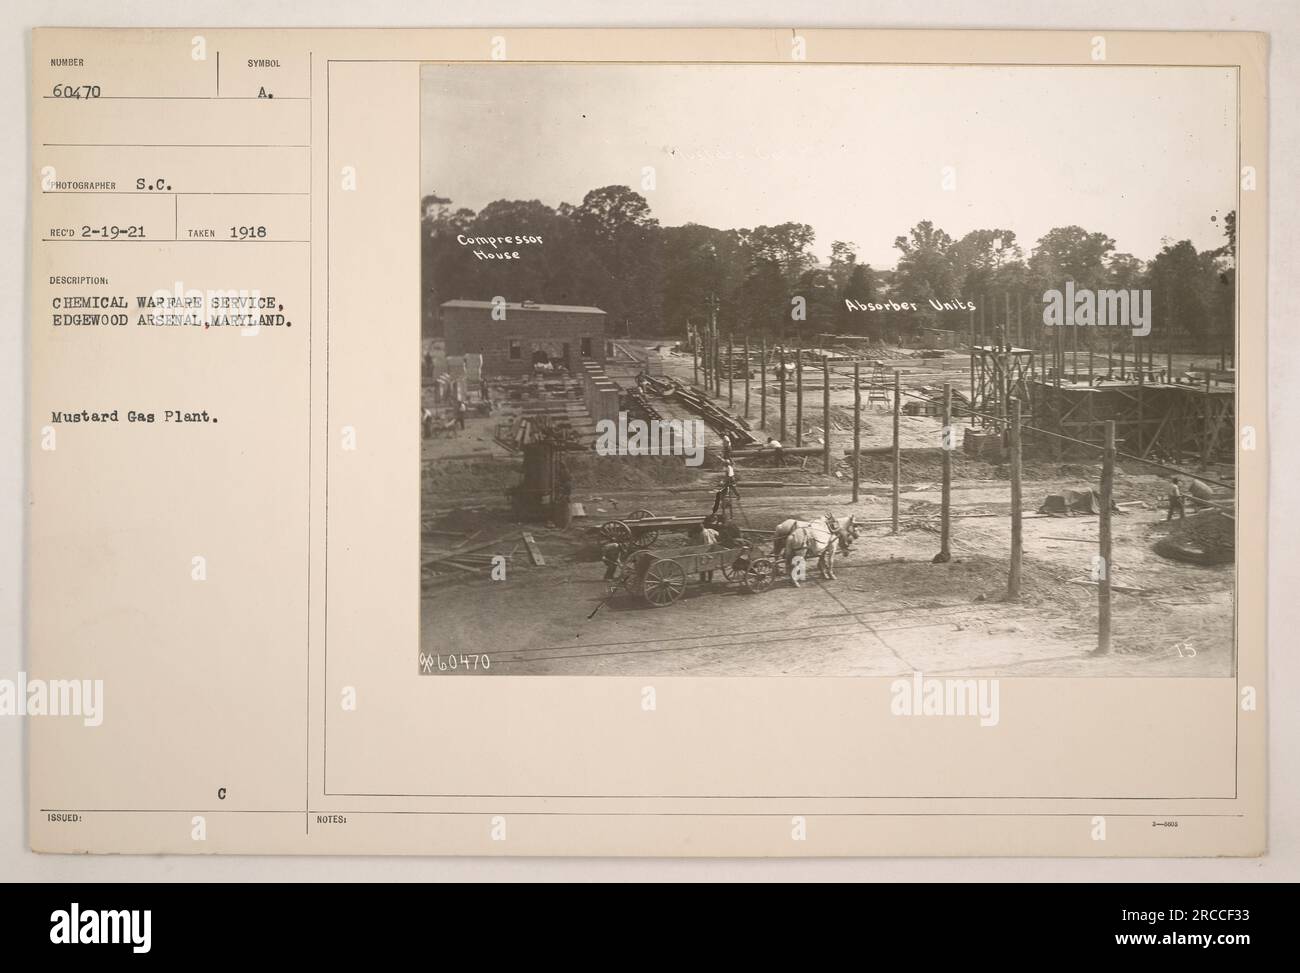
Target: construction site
{"type": "Point", "coordinates": [1016, 510]}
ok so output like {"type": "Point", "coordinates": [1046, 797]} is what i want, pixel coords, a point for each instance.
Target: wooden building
{"type": "Point", "coordinates": [528, 333]}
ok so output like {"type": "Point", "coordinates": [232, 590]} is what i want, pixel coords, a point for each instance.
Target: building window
{"type": "Point", "coordinates": [516, 351]}
{"type": "Point", "coordinates": [586, 347]}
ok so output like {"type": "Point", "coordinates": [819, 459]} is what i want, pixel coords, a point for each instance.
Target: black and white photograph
{"type": "Point", "coordinates": [598, 443]}
{"type": "Point", "coordinates": [828, 370]}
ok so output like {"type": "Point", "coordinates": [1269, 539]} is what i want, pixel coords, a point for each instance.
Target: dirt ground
{"type": "Point", "coordinates": [890, 611]}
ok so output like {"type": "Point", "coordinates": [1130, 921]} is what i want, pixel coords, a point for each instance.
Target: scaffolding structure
{"type": "Point", "coordinates": [1000, 373]}
{"type": "Point", "coordinates": [1173, 423]}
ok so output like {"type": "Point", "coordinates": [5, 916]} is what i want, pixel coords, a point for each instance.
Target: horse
{"type": "Point", "coordinates": [807, 539]}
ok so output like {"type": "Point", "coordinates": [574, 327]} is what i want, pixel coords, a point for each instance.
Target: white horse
{"type": "Point", "coordinates": [808, 539]}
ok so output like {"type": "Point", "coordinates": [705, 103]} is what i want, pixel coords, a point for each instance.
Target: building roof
{"type": "Point", "coordinates": [527, 306]}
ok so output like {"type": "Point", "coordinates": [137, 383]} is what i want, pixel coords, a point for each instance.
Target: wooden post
{"type": "Point", "coordinates": [780, 354]}
{"type": "Point", "coordinates": [972, 359]}
{"type": "Point", "coordinates": [731, 371]}
{"type": "Point", "coordinates": [1103, 566]}
{"type": "Point", "coordinates": [898, 398]}
{"type": "Point", "coordinates": [948, 442]}
{"type": "Point", "coordinates": [695, 355]}
{"type": "Point", "coordinates": [1060, 357]}
{"type": "Point", "coordinates": [712, 374]}
{"type": "Point", "coordinates": [798, 392]}
{"type": "Point", "coordinates": [857, 424]}
{"type": "Point", "coordinates": [702, 340]}
{"type": "Point", "coordinates": [1208, 424]}
{"type": "Point", "coordinates": [1141, 426]}
{"type": "Point", "coordinates": [1074, 366]}
{"type": "Point", "coordinates": [708, 360]}
{"type": "Point", "coordinates": [748, 365]}
{"type": "Point", "coordinates": [1013, 576]}
{"type": "Point", "coordinates": [826, 415]}
{"type": "Point", "coordinates": [717, 361]}
{"type": "Point", "coordinates": [762, 383]}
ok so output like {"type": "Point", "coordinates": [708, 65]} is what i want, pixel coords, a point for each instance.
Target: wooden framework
{"type": "Point", "coordinates": [1000, 373]}
{"type": "Point", "coordinates": [1158, 421]}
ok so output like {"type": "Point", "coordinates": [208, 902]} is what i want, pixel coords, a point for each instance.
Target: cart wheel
{"type": "Point", "coordinates": [735, 571]}
{"type": "Point", "coordinates": [639, 515]}
{"type": "Point", "coordinates": [646, 538]}
{"type": "Point", "coordinates": [760, 575]}
{"type": "Point", "coordinates": [616, 531]}
{"type": "Point", "coordinates": [664, 583]}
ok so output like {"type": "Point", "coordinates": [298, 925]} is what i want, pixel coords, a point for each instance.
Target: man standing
{"type": "Point", "coordinates": [701, 534]}
{"type": "Point", "coordinates": [779, 458]}
{"type": "Point", "coordinates": [461, 410]}
{"type": "Point", "coordinates": [612, 554]}
{"type": "Point", "coordinates": [728, 487]}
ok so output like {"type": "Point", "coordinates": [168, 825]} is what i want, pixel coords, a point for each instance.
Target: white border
{"type": "Point", "coordinates": [1281, 18]}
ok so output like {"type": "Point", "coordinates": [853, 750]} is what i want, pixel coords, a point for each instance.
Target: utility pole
{"type": "Point", "coordinates": [695, 354]}
{"type": "Point", "coordinates": [731, 371]}
{"type": "Point", "coordinates": [798, 389]}
{"type": "Point", "coordinates": [1103, 563]}
{"type": "Point", "coordinates": [898, 400]}
{"type": "Point", "coordinates": [747, 370]}
{"type": "Point", "coordinates": [826, 417]}
{"type": "Point", "coordinates": [780, 357]}
{"type": "Point", "coordinates": [949, 436]}
{"type": "Point", "coordinates": [857, 424]}
{"type": "Point", "coordinates": [1013, 577]}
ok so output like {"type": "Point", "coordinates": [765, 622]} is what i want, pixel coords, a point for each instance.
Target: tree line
{"type": "Point", "coordinates": [652, 280]}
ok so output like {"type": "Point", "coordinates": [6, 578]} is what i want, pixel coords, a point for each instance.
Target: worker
{"type": "Point", "coordinates": [728, 485]}
{"type": "Point", "coordinates": [703, 534]}
{"type": "Point", "coordinates": [779, 458]}
{"type": "Point", "coordinates": [612, 554]}
{"type": "Point", "coordinates": [461, 410]}
{"type": "Point", "coordinates": [729, 535]}
{"type": "Point", "coordinates": [1175, 499]}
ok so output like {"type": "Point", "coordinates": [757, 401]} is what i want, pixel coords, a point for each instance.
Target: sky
{"type": "Point", "coordinates": [859, 152]}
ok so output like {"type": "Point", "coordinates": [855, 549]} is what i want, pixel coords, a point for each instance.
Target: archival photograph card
{"type": "Point", "coordinates": [647, 442]}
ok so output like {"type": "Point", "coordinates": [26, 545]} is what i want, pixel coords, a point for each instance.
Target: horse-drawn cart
{"type": "Point", "coordinates": [660, 577]}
